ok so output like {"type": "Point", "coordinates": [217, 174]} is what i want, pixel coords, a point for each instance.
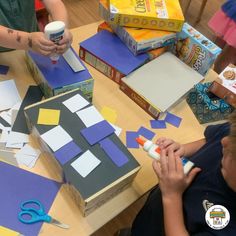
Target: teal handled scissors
{"type": "Point", "coordinates": [33, 211]}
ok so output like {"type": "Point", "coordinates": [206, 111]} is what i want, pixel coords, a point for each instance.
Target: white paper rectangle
{"type": "Point", "coordinates": [118, 130]}
{"type": "Point", "coordinates": [9, 95]}
{"type": "Point", "coordinates": [56, 138]}
{"type": "Point", "coordinates": [90, 116]}
{"type": "Point", "coordinates": [6, 116]}
{"type": "Point", "coordinates": [17, 137]}
{"type": "Point", "coordinates": [86, 163]}
{"type": "Point", "coordinates": [76, 103]}
{"type": "Point", "coordinates": [73, 61]}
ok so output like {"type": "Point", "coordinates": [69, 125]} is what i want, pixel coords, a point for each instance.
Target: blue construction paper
{"type": "Point", "coordinates": [59, 74]}
{"type": "Point", "coordinates": [67, 152]}
{"type": "Point", "coordinates": [115, 154]}
{"type": "Point", "coordinates": [97, 132]}
{"type": "Point", "coordinates": [4, 69]}
{"type": "Point", "coordinates": [148, 134]}
{"type": "Point", "coordinates": [173, 119]}
{"type": "Point", "coordinates": [18, 185]}
{"type": "Point", "coordinates": [158, 124]}
{"type": "Point", "coordinates": [131, 139]}
{"type": "Point", "coordinates": [113, 51]}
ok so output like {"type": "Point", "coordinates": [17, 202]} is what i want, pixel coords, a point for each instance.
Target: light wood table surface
{"type": "Point", "coordinates": [130, 118]}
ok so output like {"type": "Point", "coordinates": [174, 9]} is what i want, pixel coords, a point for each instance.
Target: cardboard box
{"type": "Point", "coordinates": [106, 180]}
{"type": "Point", "coordinates": [149, 14]}
{"type": "Point", "coordinates": [195, 49]}
{"type": "Point", "coordinates": [136, 39]}
{"type": "Point", "coordinates": [58, 78]}
{"type": "Point", "coordinates": [207, 107]}
{"type": "Point", "coordinates": [155, 87]}
{"type": "Point", "coordinates": [225, 86]}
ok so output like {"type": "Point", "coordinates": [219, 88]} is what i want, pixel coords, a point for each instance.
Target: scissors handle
{"type": "Point", "coordinates": [30, 217]}
{"type": "Point", "coordinates": [33, 205]}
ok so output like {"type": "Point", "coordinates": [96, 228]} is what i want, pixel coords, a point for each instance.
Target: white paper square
{"type": "Point", "coordinates": [118, 130]}
{"type": "Point", "coordinates": [76, 103]}
{"type": "Point", "coordinates": [86, 163]}
{"type": "Point", "coordinates": [56, 138]}
{"type": "Point", "coordinates": [90, 116]}
{"type": "Point", "coordinates": [9, 95]}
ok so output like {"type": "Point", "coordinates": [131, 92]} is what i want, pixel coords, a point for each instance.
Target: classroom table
{"type": "Point", "coordinates": [130, 118]}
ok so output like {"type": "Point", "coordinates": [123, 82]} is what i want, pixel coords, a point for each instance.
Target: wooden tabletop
{"type": "Point", "coordinates": [130, 118]}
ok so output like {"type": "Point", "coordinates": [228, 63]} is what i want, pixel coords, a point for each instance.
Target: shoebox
{"type": "Point", "coordinates": [82, 149]}
{"type": "Point", "coordinates": [162, 14]}
{"type": "Point", "coordinates": [206, 106]}
{"type": "Point", "coordinates": [54, 79]}
{"type": "Point", "coordinates": [195, 49]}
{"type": "Point", "coordinates": [225, 85]}
{"type": "Point", "coordinates": [136, 39]}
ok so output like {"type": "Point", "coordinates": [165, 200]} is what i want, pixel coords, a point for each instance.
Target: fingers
{"type": "Point", "coordinates": [156, 168]}
{"type": "Point", "coordinates": [192, 174]}
{"type": "Point", "coordinates": [164, 161]}
{"type": "Point", "coordinates": [171, 162]}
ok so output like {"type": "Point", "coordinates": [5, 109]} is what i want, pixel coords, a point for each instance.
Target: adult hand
{"type": "Point", "coordinates": [65, 43]}
{"type": "Point", "coordinates": [171, 145]}
{"type": "Point", "coordinates": [172, 179]}
{"type": "Point", "coordinates": [39, 43]}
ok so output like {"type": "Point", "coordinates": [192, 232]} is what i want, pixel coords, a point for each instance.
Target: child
{"type": "Point", "coordinates": [223, 23]}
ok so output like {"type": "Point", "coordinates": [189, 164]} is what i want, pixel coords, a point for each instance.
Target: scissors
{"type": "Point", "coordinates": [33, 211]}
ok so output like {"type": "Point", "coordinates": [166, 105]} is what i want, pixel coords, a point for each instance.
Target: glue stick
{"type": "Point", "coordinates": [54, 31]}
{"type": "Point", "coordinates": [154, 151]}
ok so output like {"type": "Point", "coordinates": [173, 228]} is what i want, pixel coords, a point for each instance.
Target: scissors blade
{"type": "Point", "coordinates": [59, 224]}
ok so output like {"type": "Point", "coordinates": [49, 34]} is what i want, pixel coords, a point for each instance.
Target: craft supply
{"type": "Point", "coordinates": [154, 151]}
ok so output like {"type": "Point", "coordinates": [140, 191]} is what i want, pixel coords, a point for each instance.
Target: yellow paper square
{"type": "Point", "coordinates": [48, 116]}
{"type": "Point", "coordinates": [109, 114]}
{"type": "Point", "coordinates": [8, 232]}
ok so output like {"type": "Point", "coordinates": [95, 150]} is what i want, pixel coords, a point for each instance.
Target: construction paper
{"type": "Point", "coordinates": [130, 139]}
{"type": "Point", "coordinates": [9, 95]}
{"type": "Point", "coordinates": [117, 129]}
{"type": "Point", "coordinates": [90, 116]}
{"type": "Point", "coordinates": [8, 232]}
{"type": "Point", "coordinates": [97, 132]}
{"type": "Point", "coordinates": [173, 119]}
{"type": "Point", "coordinates": [109, 114]}
{"type": "Point", "coordinates": [148, 134]}
{"type": "Point", "coordinates": [9, 157]}
{"type": "Point", "coordinates": [86, 163]}
{"type": "Point", "coordinates": [158, 124]}
{"type": "Point", "coordinates": [115, 154]}
{"type": "Point", "coordinates": [56, 138]}
{"type": "Point", "coordinates": [33, 95]}
{"type": "Point", "coordinates": [16, 137]}
{"type": "Point", "coordinates": [4, 136]}
{"type": "Point", "coordinates": [4, 123]}
{"type": "Point", "coordinates": [18, 185]}
{"type": "Point", "coordinates": [48, 116]}
{"type": "Point", "coordinates": [4, 69]}
{"type": "Point", "coordinates": [14, 145]}
{"type": "Point", "coordinates": [67, 152]}
{"type": "Point", "coordinates": [6, 116]}
{"type": "Point", "coordinates": [76, 103]}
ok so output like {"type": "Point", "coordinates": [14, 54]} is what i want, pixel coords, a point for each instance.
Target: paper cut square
{"type": "Point", "coordinates": [113, 152]}
{"type": "Point", "coordinates": [76, 103]}
{"type": "Point", "coordinates": [56, 138]}
{"type": "Point", "coordinates": [86, 163]}
{"type": "Point", "coordinates": [158, 124]}
{"type": "Point", "coordinates": [4, 69]}
{"type": "Point", "coordinates": [130, 139]}
{"type": "Point", "coordinates": [109, 114]}
{"type": "Point", "coordinates": [97, 132]}
{"type": "Point", "coordinates": [173, 119]}
{"type": "Point", "coordinates": [48, 116]}
{"type": "Point", "coordinates": [148, 134]}
{"type": "Point", "coordinates": [67, 152]}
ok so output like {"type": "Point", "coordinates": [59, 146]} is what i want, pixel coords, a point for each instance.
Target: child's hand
{"type": "Point", "coordinates": [170, 172]}
{"type": "Point", "coordinates": [39, 43]}
{"type": "Point", "coordinates": [171, 145]}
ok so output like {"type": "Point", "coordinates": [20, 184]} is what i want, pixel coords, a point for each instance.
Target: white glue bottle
{"type": "Point", "coordinates": [54, 31]}
{"type": "Point", "coordinates": [154, 151]}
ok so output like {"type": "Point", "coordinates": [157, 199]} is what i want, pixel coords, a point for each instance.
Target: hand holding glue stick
{"type": "Point", "coordinates": [154, 152]}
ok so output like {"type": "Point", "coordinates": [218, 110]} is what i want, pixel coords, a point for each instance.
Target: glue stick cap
{"type": "Point", "coordinates": [140, 141]}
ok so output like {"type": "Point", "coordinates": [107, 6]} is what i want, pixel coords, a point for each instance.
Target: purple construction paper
{"type": "Point", "coordinates": [148, 134]}
{"type": "Point", "coordinates": [115, 154]}
{"type": "Point", "coordinates": [158, 124]}
{"type": "Point", "coordinates": [4, 69]}
{"type": "Point", "coordinates": [18, 185]}
{"type": "Point", "coordinates": [67, 152]}
{"type": "Point", "coordinates": [113, 51]}
{"type": "Point", "coordinates": [173, 119]}
{"type": "Point", "coordinates": [97, 132]}
{"type": "Point", "coordinates": [130, 139]}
